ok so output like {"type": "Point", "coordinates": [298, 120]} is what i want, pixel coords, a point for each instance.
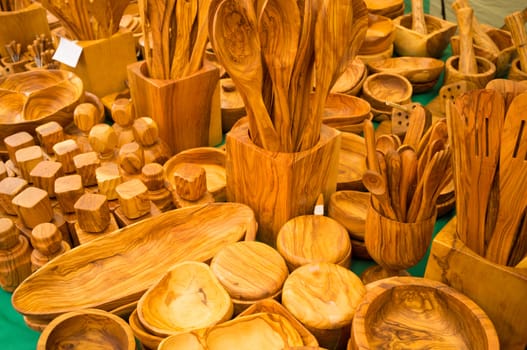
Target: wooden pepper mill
{"type": "Point", "coordinates": [47, 242]}
{"type": "Point", "coordinates": [191, 186]}
{"type": "Point", "coordinates": [15, 256]}
{"type": "Point", "coordinates": [146, 133]}
{"type": "Point", "coordinates": [123, 114]}
{"type": "Point", "coordinates": [152, 175]}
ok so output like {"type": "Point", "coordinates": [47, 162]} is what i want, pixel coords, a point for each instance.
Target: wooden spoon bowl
{"type": "Point", "coordinates": [379, 36]}
{"type": "Point", "coordinates": [381, 87]}
{"type": "Point", "coordinates": [428, 313]}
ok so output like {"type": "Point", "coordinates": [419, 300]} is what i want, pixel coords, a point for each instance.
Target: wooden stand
{"type": "Point", "coordinates": [102, 65]}
{"type": "Point", "coordinates": [279, 186]}
{"type": "Point", "coordinates": [499, 290]}
{"type": "Point", "coordinates": [182, 108]}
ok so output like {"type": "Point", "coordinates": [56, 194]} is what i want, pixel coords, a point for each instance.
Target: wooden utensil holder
{"type": "Point", "coordinates": [486, 72]}
{"type": "Point", "coordinates": [186, 110]}
{"type": "Point", "coordinates": [499, 290]}
{"type": "Point", "coordinates": [102, 64]}
{"type": "Point", "coordinates": [279, 186]}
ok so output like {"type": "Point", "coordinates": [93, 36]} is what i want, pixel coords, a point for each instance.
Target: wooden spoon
{"type": "Point", "coordinates": [376, 184]}
{"type": "Point", "coordinates": [394, 174]}
{"type": "Point", "coordinates": [196, 56]}
{"type": "Point", "coordinates": [369, 139]}
{"type": "Point", "coordinates": [186, 11]}
{"type": "Point", "coordinates": [279, 30]}
{"type": "Point", "coordinates": [408, 180]}
{"type": "Point", "coordinates": [242, 60]}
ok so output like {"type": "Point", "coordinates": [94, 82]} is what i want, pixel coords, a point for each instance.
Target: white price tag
{"type": "Point", "coordinates": [68, 52]}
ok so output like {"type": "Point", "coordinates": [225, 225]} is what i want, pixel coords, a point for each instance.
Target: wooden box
{"type": "Point", "coordinates": [501, 291]}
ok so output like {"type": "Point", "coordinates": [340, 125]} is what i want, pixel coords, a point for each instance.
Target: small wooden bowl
{"type": "Point", "coordinates": [87, 329]}
{"type": "Point", "coordinates": [209, 158]}
{"type": "Point", "coordinates": [313, 238]}
{"type": "Point", "coordinates": [149, 340]}
{"type": "Point", "coordinates": [415, 69]}
{"type": "Point", "coordinates": [411, 312]}
{"type": "Point", "coordinates": [377, 56]}
{"type": "Point", "coordinates": [327, 307]}
{"type": "Point", "coordinates": [344, 111]}
{"type": "Point", "coordinates": [232, 106]}
{"type": "Point", "coordinates": [411, 43]}
{"type": "Point", "coordinates": [352, 162]}
{"type": "Point", "coordinates": [486, 72]}
{"type": "Point", "coordinates": [381, 87]}
{"type": "Point", "coordinates": [187, 297]}
{"type": "Point", "coordinates": [350, 82]}
{"type": "Point", "coordinates": [249, 271]}
{"type": "Point", "coordinates": [388, 8]}
{"type": "Point", "coordinates": [379, 35]}
{"type": "Point", "coordinates": [350, 208]}
{"type": "Point", "coordinates": [187, 341]}
{"type": "Point", "coordinates": [516, 73]}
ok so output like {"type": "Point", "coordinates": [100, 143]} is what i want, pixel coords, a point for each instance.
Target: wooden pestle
{"type": "Point", "coordinates": [418, 17]}
{"type": "Point", "coordinates": [516, 24]}
{"type": "Point", "coordinates": [467, 58]}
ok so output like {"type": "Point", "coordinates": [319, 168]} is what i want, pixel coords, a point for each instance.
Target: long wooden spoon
{"type": "Point", "coordinates": [376, 184]}
{"type": "Point", "coordinates": [196, 56]}
{"type": "Point", "coordinates": [186, 11]}
{"type": "Point", "coordinates": [408, 180]}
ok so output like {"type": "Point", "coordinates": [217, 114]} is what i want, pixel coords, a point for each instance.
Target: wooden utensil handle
{"type": "Point", "coordinates": [418, 17]}
{"type": "Point", "coordinates": [467, 58]}
{"type": "Point", "coordinates": [516, 24]}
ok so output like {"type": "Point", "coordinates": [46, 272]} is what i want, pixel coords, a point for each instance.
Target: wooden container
{"type": "Point", "coordinates": [414, 313]}
{"type": "Point", "coordinates": [187, 297]}
{"type": "Point", "coordinates": [499, 290]}
{"type": "Point", "coordinates": [183, 109]}
{"type": "Point", "coordinates": [351, 80]}
{"type": "Point", "coordinates": [350, 208]}
{"type": "Point", "coordinates": [345, 112]}
{"type": "Point", "coordinates": [154, 245]}
{"type": "Point", "coordinates": [382, 87]}
{"type": "Point", "coordinates": [279, 186]}
{"type": "Point", "coordinates": [87, 329]}
{"type": "Point", "coordinates": [249, 271]}
{"type": "Point", "coordinates": [327, 307]}
{"type": "Point", "coordinates": [388, 8]}
{"type": "Point", "coordinates": [411, 43]}
{"type": "Point", "coordinates": [313, 238]}
{"type": "Point", "coordinates": [486, 72]}
{"type": "Point", "coordinates": [515, 72]}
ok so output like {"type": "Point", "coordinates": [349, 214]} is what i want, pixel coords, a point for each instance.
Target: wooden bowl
{"type": "Point", "coordinates": [411, 43]}
{"type": "Point", "coordinates": [415, 69]}
{"type": "Point", "coordinates": [379, 35]}
{"type": "Point", "coordinates": [187, 341]}
{"type": "Point", "coordinates": [187, 297]}
{"type": "Point", "coordinates": [149, 340]}
{"type": "Point", "coordinates": [87, 329]}
{"type": "Point", "coordinates": [117, 268]}
{"type": "Point", "coordinates": [328, 305]}
{"type": "Point", "coordinates": [344, 111]}
{"type": "Point", "coordinates": [516, 73]}
{"type": "Point", "coordinates": [388, 8]}
{"type": "Point", "coordinates": [232, 105]}
{"type": "Point", "coordinates": [381, 87]}
{"type": "Point", "coordinates": [308, 239]}
{"type": "Point", "coordinates": [352, 162]}
{"type": "Point", "coordinates": [249, 271]}
{"type": "Point", "coordinates": [411, 312]}
{"type": "Point", "coordinates": [350, 82]}
{"type": "Point", "coordinates": [377, 56]}
{"type": "Point", "coordinates": [209, 158]}
{"type": "Point", "coordinates": [486, 72]}
{"type": "Point", "coordinates": [350, 208]}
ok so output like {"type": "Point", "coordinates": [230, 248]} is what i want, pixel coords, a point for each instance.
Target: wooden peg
{"type": "Point", "coordinates": [64, 153]}
{"type": "Point", "coordinates": [49, 134]}
{"type": "Point", "coordinates": [33, 207]}
{"type": "Point", "coordinates": [47, 242]}
{"type": "Point", "coordinates": [85, 116]}
{"type": "Point", "coordinates": [15, 260]}
{"type": "Point", "coordinates": [68, 189]}
{"type": "Point", "coordinates": [93, 214]}
{"type": "Point", "coordinates": [103, 140]}
{"type": "Point", "coordinates": [10, 187]}
{"type": "Point", "coordinates": [153, 177]}
{"type": "Point", "coordinates": [131, 158]}
{"type": "Point", "coordinates": [133, 198]}
{"type": "Point", "coordinates": [44, 175]}
{"type": "Point", "coordinates": [85, 166]}
{"type": "Point", "coordinates": [191, 181]}
{"type": "Point", "coordinates": [146, 131]}
{"type": "Point", "coordinates": [108, 178]}
{"type": "Point", "coordinates": [17, 141]}
{"type": "Point", "coordinates": [27, 158]}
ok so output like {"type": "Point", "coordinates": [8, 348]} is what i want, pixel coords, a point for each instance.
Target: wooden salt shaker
{"type": "Point", "coordinates": [146, 133]}
{"type": "Point", "coordinates": [153, 177]}
{"type": "Point", "coordinates": [123, 114]}
{"type": "Point", "coordinates": [15, 256]}
{"type": "Point", "coordinates": [93, 218]}
{"type": "Point", "coordinates": [134, 203]}
{"type": "Point", "coordinates": [47, 242]}
{"type": "Point", "coordinates": [191, 186]}
{"type": "Point", "coordinates": [17, 141]}
{"type": "Point", "coordinates": [49, 134]}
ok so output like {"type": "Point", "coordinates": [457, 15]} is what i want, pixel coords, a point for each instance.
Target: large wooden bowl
{"type": "Point", "coordinates": [379, 35]}
{"type": "Point", "coordinates": [411, 43]}
{"type": "Point", "coordinates": [187, 297]}
{"type": "Point", "coordinates": [382, 87]}
{"type": "Point", "coordinates": [87, 329]}
{"type": "Point", "coordinates": [209, 158]}
{"type": "Point", "coordinates": [30, 99]}
{"type": "Point", "coordinates": [417, 313]}
{"type": "Point", "coordinates": [417, 70]}
{"type": "Point", "coordinates": [352, 162]}
{"type": "Point", "coordinates": [116, 269]}
{"type": "Point", "coordinates": [349, 208]}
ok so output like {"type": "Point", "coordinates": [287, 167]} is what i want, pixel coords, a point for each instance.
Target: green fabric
{"type": "Point", "coordinates": [14, 334]}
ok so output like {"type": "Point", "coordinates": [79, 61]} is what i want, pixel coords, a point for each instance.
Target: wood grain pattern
{"type": "Point", "coordinates": [92, 212]}
{"type": "Point", "coordinates": [103, 140]}
{"type": "Point", "coordinates": [415, 69]}
{"type": "Point", "coordinates": [33, 207]}
{"type": "Point", "coordinates": [413, 313]}
{"type": "Point", "coordinates": [16, 141]}
{"type": "Point", "coordinates": [108, 178]}
{"type": "Point", "coordinates": [10, 187]}
{"type": "Point", "coordinates": [123, 220]}
{"type": "Point", "coordinates": [194, 233]}
{"type": "Point", "coordinates": [381, 87]}
{"type": "Point", "coordinates": [27, 158]}
{"type": "Point", "coordinates": [516, 24]}
{"type": "Point", "coordinates": [191, 181]}
{"type": "Point", "coordinates": [80, 236]}
{"type": "Point", "coordinates": [352, 162]}
{"type": "Point", "coordinates": [349, 208]}
{"type": "Point", "coordinates": [379, 35]}
{"type": "Point", "coordinates": [68, 190]}
{"type": "Point", "coordinates": [131, 158]}
{"type": "Point", "coordinates": [44, 174]}
{"type": "Point", "coordinates": [467, 58]}
{"type": "Point", "coordinates": [486, 72]}
{"type": "Point", "coordinates": [15, 256]}
{"type": "Point", "coordinates": [49, 134]}
{"type": "Point", "coordinates": [133, 199]}
{"type": "Point", "coordinates": [418, 17]}
{"type": "Point", "coordinates": [85, 166]}
{"type": "Point", "coordinates": [64, 153]}
{"type": "Point", "coordinates": [187, 297]}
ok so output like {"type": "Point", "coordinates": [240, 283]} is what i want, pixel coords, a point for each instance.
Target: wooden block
{"type": "Point", "coordinates": [83, 237]}
{"type": "Point", "coordinates": [133, 198]}
{"type": "Point", "coordinates": [46, 238]}
{"type": "Point", "coordinates": [182, 203]}
{"type": "Point", "coordinates": [33, 206]}
{"type": "Point", "coordinates": [108, 178]}
{"type": "Point", "coordinates": [191, 181]}
{"type": "Point", "coordinates": [10, 187]}
{"type": "Point", "coordinates": [3, 171]}
{"type": "Point", "coordinates": [123, 111]}
{"type": "Point", "coordinates": [93, 214]}
{"type": "Point", "coordinates": [125, 134]}
{"type": "Point", "coordinates": [17, 141]}
{"type": "Point", "coordinates": [103, 140]}
{"type": "Point", "coordinates": [64, 153]}
{"type": "Point", "coordinates": [44, 175]}
{"type": "Point", "coordinates": [85, 166]}
{"type": "Point", "coordinates": [68, 189]}
{"type": "Point", "coordinates": [152, 175]}
{"type": "Point", "coordinates": [27, 158]}
{"type": "Point", "coordinates": [123, 220]}
{"type": "Point", "coordinates": [85, 116]}
{"type": "Point", "coordinates": [499, 290]}
{"type": "Point", "coordinates": [131, 158]}
{"type": "Point", "coordinates": [146, 131]}
{"type": "Point", "coordinates": [157, 153]}
{"type": "Point", "coordinates": [49, 134]}
{"type": "Point", "coordinates": [8, 234]}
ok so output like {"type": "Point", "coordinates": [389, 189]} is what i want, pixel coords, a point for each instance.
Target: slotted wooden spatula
{"type": "Point", "coordinates": [512, 181]}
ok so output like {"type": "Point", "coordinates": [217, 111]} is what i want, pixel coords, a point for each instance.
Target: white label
{"type": "Point", "coordinates": [68, 52]}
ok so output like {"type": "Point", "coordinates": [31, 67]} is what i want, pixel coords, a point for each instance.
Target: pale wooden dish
{"type": "Point", "coordinates": [209, 158]}
{"type": "Point", "coordinates": [149, 340]}
{"type": "Point", "coordinates": [351, 80]}
{"type": "Point", "coordinates": [131, 260]}
{"type": "Point", "coordinates": [352, 162]}
{"type": "Point", "coordinates": [411, 43]}
{"type": "Point", "coordinates": [313, 238]}
{"type": "Point", "coordinates": [416, 313]}
{"type": "Point", "coordinates": [379, 36]}
{"type": "Point", "coordinates": [88, 329]}
{"type": "Point", "coordinates": [344, 112]}
{"type": "Point", "coordinates": [350, 208]}
{"type": "Point", "coordinates": [187, 297]}
{"type": "Point", "coordinates": [381, 87]}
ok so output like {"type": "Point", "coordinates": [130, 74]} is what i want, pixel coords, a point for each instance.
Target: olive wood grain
{"type": "Point", "coordinates": [33, 207]}
{"type": "Point", "coordinates": [49, 134]}
{"type": "Point", "coordinates": [64, 152]}
{"type": "Point", "coordinates": [349, 208]}
{"type": "Point", "coordinates": [16, 141]}
{"type": "Point", "coordinates": [44, 174]}
{"type": "Point", "coordinates": [27, 158]}
{"type": "Point", "coordinates": [108, 178]}
{"type": "Point", "coordinates": [10, 187]}
{"type": "Point", "coordinates": [418, 17]}
{"type": "Point", "coordinates": [467, 58]}
{"type": "Point", "coordinates": [15, 256]}
{"type": "Point", "coordinates": [92, 212]}
{"type": "Point", "coordinates": [47, 242]}
{"type": "Point", "coordinates": [516, 24]}
{"type": "Point", "coordinates": [191, 181]}
{"type": "Point", "coordinates": [80, 236]}
{"type": "Point", "coordinates": [415, 69]}
{"type": "Point", "coordinates": [68, 190]}
{"type": "Point", "coordinates": [133, 198]}
{"type": "Point", "coordinates": [379, 35]}
{"type": "Point", "coordinates": [85, 165]}
{"type": "Point", "coordinates": [131, 158]}
{"type": "Point", "coordinates": [103, 140]}
{"type": "Point", "coordinates": [352, 162]}
{"type": "Point", "coordinates": [123, 220]}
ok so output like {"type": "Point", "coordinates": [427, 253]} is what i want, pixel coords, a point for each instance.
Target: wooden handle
{"type": "Point", "coordinates": [467, 58]}
{"type": "Point", "coordinates": [418, 17]}
{"type": "Point", "coordinates": [515, 22]}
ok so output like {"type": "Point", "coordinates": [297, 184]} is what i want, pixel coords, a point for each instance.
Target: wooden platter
{"type": "Point", "coordinates": [119, 267]}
